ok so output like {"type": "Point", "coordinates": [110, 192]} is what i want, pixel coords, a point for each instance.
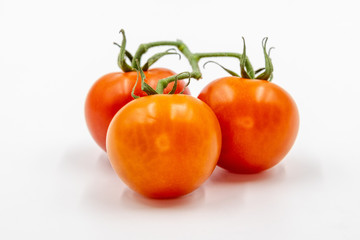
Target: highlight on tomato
{"type": "Point", "coordinates": [113, 91]}
{"type": "Point", "coordinates": [164, 146]}
{"type": "Point", "coordinates": [259, 120]}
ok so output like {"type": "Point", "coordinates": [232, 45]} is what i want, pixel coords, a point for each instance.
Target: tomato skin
{"type": "Point", "coordinates": [259, 122]}
{"type": "Point", "coordinates": [112, 91]}
{"type": "Point", "coordinates": [164, 146]}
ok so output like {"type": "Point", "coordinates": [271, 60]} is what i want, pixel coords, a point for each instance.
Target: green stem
{"type": "Point", "coordinates": [219, 54]}
{"type": "Point", "coordinates": [142, 49]}
{"type": "Point", "coordinates": [121, 58]}
{"type": "Point", "coordinates": [193, 59]}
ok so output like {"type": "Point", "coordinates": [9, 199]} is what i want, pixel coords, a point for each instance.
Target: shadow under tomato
{"type": "Point", "coordinates": [105, 191]}
{"type": "Point", "coordinates": [78, 159]}
{"type": "Point", "coordinates": [104, 188]}
{"type": "Point", "coordinates": [294, 168]}
{"type": "Point", "coordinates": [86, 162]}
{"type": "Point", "coordinates": [304, 169]}
{"type": "Point", "coordinates": [221, 175]}
{"type": "Point", "coordinates": [133, 199]}
{"type": "Point", "coordinates": [91, 176]}
{"type": "Point", "coordinates": [103, 164]}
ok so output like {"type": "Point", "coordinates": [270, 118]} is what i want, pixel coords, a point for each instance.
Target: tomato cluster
{"type": "Point", "coordinates": [165, 143]}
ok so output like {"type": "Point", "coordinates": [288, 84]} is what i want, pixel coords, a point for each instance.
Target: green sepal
{"type": "Point", "coordinates": [270, 50]}
{"type": "Point", "coordinates": [133, 89]}
{"type": "Point", "coordinates": [121, 58]}
{"type": "Point", "coordinates": [127, 53]}
{"type": "Point", "coordinates": [243, 59]}
{"type": "Point", "coordinates": [271, 77]}
{"type": "Point", "coordinates": [266, 75]}
{"type": "Point", "coordinates": [144, 86]}
{"type": "Point", "coordinates": [249, 68]}
{"type": "Point", "coordinates": [176, 83]}
{"type": "Point", "coordinates": [259, 70]}
{"type": "Point", "coordinates": [157, 56]}
{"type": "Point", "coordinates": [187, 84]}
{"type": "Point", "coordinates": [232, 73]}
{"type": "Point", "coordinates": [174, 86]}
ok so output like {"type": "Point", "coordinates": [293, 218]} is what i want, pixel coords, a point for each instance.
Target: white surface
{"type": "Point", "coordinates": [56, 183]}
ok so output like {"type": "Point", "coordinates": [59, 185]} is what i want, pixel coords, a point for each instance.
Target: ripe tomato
{"type": "Point", "coordinates": [164, 146]}
{"type": "Point", "coordinates": [259, 122]}
{"type": "Point", "coordinates": [112, 91]}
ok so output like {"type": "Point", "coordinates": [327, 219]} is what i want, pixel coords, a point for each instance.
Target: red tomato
{"type": "Point", "coordinates": [164, 146]}
{"type": "Point", "coordinates": [259, 122]}
{"type": "Point", "coordinates": [112, 91]}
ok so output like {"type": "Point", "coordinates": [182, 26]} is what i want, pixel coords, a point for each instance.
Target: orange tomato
{"type": "Point", "coordinates": [164, 146]}
{"type": "Point", "coordinates": [112, 91]}
{"type": "Point", "coordinates": [259, 122]}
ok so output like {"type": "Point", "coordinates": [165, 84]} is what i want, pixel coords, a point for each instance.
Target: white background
{"type": "Point", "coordinates": [56, 183]}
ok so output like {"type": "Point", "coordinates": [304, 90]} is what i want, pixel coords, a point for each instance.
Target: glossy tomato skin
{"type": "Point", "coordinates": [164, 146]}
{"type": "Point", "coordinates": [112, 91]}
{"type": "Point", "coordinates": [259, 122]}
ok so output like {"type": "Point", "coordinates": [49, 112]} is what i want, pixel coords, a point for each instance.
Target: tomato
{"type": "Point", "coordinates": [164, 146]}
{"type": "Point", "coordinates": [259, 122]}
{"type": "Point", "coordinates": [112, 91]}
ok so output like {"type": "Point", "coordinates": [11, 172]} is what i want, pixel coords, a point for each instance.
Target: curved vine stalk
{"type": "Point", "coordinates": [193, 58]}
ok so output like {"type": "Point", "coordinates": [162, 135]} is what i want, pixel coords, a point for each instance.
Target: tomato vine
{"type": "Point", "coordinates": [247, 70]}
